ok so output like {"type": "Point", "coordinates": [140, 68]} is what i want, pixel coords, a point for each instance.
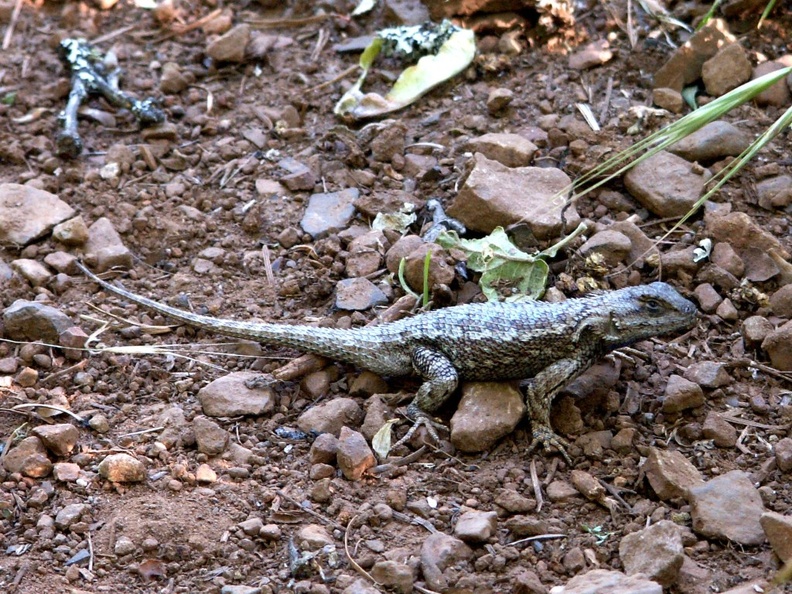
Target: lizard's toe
{"type": "Point", "coordinates": [419, 419]}
{"type": "Point", "coordinates": [548, 440]}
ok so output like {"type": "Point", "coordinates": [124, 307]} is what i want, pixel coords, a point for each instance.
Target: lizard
{"type": "Point", "coordinates": [545, 344]}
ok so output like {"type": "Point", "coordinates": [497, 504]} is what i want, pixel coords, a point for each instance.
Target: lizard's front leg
{"type": "Point", "coordinates": [440, 380]}
{"type": "Point", "coordinates": [539, 393]}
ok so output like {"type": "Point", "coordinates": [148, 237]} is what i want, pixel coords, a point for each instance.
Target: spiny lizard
{"type": "Point", "coordinates": [550, 343]}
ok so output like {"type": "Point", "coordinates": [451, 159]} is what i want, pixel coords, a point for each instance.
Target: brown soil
{"type": "Point", "coordinates": [194, 527]}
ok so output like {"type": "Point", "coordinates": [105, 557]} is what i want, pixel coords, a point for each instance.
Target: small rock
{"type": "Point", "coordinates": [324, 449]}
{"type": "Point", "coordinates": [593, 54]}
{"type": "Point", "coordinates": [487, 412]}
{"type": "Point", "coordinates": [69, 515]}
{"type": "Point", "coordinates": [587, 485]}
{"type": "Point", "coordinates": [66, 472]}
{"type": "Point", "coordinates": [389, 141]}
{"type": "Point", "coordinates": [354, 454]}
{"type": "Point", "coordinates": [28, 214]}
{"type": "Point", "coordinates": [775, 192]}
{"type": "Point", "coordinates": [684, 66]}
{"type": "Point", "coordinates": [331, 416]}
{"type": "Point", "coordinates": [602, 581]}
{"type": "Point", "coordinates": [230, 47]}
{"type": "Point", "coordinates": [440, 552]}
{"type": "Point", "coordinates": [670, 474]}
{"type": "Point", "coordinates": [613, 246]}
{"type": "Point", "coordinates": [726, 70]}
{"type": "Point", "coordinates": [719, 430]}
{"type": "Point", "coordinates": [656, 552]}
{"type": "Point", "coordinates": [205, 474]}
{"type": "Point", "coordinates": [781, 302]}
{"type": "Point", "coordinates": [668, 99]}
{"type": "Point", "coordinates": [779, 94]}
{"type": "Point", "coordinates": [778, 529]}
{"type": "Point", "coordinates": [313, 537]}
{"type": "Point", "coordinates": [511, 150]}
{"type": "Point", "coordinates": [124, 546]}
{"type": "Point", "coordinates": [778, 346]}
{"type": "Point", "coordinates": [742, 233]}
{"type": "Point", "coordinates": [667, 185]}
{"type": "Point", "coordinates": [441, 269]}
{"type": "Point", "coordinates": [32, 271]}
{"type": "Point", "coordinates": [251, 526]}
{"type": "Point", "coordinates": [358, 294]}
{"type": "Point", "coordinates": [498, 100]}
{"type": "Point", "coordinates": [230, 396]}
{"type": "Point", "coordinates": [210, 437]}
{"type": "Point", "coordinates": [723, 255]}
{"type": "Point", "coordinates": [754, 330]}
{"type": "Point", "coordinates": [173, 81]}
{"type": "Point", "coordinates": [34, 321]}
{"type": "Point", "coordinates": [561, 491]}
{"type": "Point", "coordinates": [711, 142]}
{"type": "Point", "coordinates": [59, 439]}
{"type": "Point", "coordinates": [122, 468]}
{"type": "Point", "coordinates": [783, 454]}
{"type": "Point", "coordinates": [71, 233]}
{"type": "Point", "coordinates": [476, 526]}
{"type": "Point", "coordinates": [329, 212]}
{"type": "Point", "coordinates": [494, 195]}
{"type": "Point", "coordinates": [726, 311]}
{"type": "Point", "coordinates": [708, 297]}
{"type": "Point", "coordinates": [681, 394]}
{"type": "Point", "coordinates": [709, 374]}
{"type": "Point", "coordinates": [28, 457]}
{"type": "Point", "coordinates": [402, 248]}
{"type": "Point", "coordinates": [394, 576]}
{"type": "Point", "coordinates": [107, 247]}
{"type": "Point", "coordinates": [728, 507]}
{"type": "Point", "coordinates": [513, 502]}
{"type": "Point", "coordinates": [73, 340]}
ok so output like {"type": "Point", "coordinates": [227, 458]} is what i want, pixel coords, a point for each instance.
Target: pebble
{"type": "Point", "coordinates": [775, 192]}
{"type": "Point", "coordinates": [66, 472]}
{"type": "Point", "coordinates": [396, 577]}
{"type": "Point", "coordinates": [711, 142]}
{"type": "Point", "coordinates": [613, 246]}
{"type": "Point", "coordinates": [331, 416]}
{"type": "Point", "coordinates": [511, 150]}
{"type": "Point", "coordinates": [106, 246]}
{"type": "Point", "coordinates": [28, 457]}
{"type": "Point", "coordinates": [587, 485]}
{"type": "Point", "coordinates": [655, 552]}
{"type": "Point", "coordinates": [726, 70]}
{"type": "Point", "coordinates": [389, 141]}
{"type": "Point", "coordinates": [323, 449]}
{"type": "Point", "coordinates": [313, 537]}
{"type": "Point", "coordinates": [329, 212]}
{"type": "Point", "coordinates": [251, 526]}
{"type": "Point", "coordinates": [783, 454]}
{"type": "Point", "coordinates": [494, 195]}
{"type": "Point", "coordinates": [498, 100]}
{"type": "Point", "coordinates": [377, 414]}
{"type": "Point", "coordinates": [476, 526]}
{"type": "Point", "coordinates": [122, 468]}
{"type": "Point", "coordinates": [354, 455]}
{"type": "Point", "coordinates": [666, 184]}
{"type": "Point", "coordinates": [401, 248]}
{"type": "Point", "coordinates": [358, 294]}
{"type": "Point", "coordinates": [708, 297]}
{"type": "Point", "coordinates": [487, 412]}
{"type": "Point", "coordinates": [124, 546]}
{"type": "Point", "coordinates": [230, 396]}
{"type": "Point", "coordinates": [441, 269]}
{"type": "Point", "coordinates": [561, 491]}
{"type": "Point", "coordinates": [668, 99]}
{"type": "Point", "coordinates": [681, 394]}
{"type": "Point", "coordinates": [709, 374]}
{"type": "Point", "coordinates": [778, 345]}
{"type": "Point", "coordinates": [59, 439]}
{"type": "Point", "coordinates": [778, 95]}
{"type": "Point", "coordinates": [32, 271]}
{"type": "Point", "coordinates": [240, 589]}
{"type": "Point", "coordinates": [172, 80]}
{"type": "Point", "coordinates": [728, 507]}
{"type": "Point", "coordinates": [205, 474]}
{"type": "Point", "coordinates": [724, 256]}
{"type": "Point", "coordinates": [230, 47]}
{"type": "Point", "coordinates": [778, 529]}
{"type": "Point", "coordinates": [781, 301]}
{"type": "Point", "coordinates": [34, 321]}
{"type": "Point", "coordinates": [719, 430]}
{"type": "Point", "coordinates": [727, 311]}
{"type": "Point", "coordinates": [593, 54]}
{"type": "Point", "coordinates": [670, 473]}
{"type": "Point", "coordinates": [684, 66]}
{"type": "Point", "coordinates": [361, 586]}
{"type": "Point", "coordinates": [440, 552]}
{"type": "Point", "coordinates": [69, 514]}
{"type": "Point", "coordinates": [71, 233]}
{"type": "Point", "coordinates": [599, 581]}
{"type": "Point", "coordinates": [754, 330]}
{"type": "Point", "coordinates": [300, 176]}
{"type": "Point", "coordinates": [741, 232]}
{"type": "Point", "coordinates": [210, 437]}
{"type": "Point", "coordinates": [28, 214]}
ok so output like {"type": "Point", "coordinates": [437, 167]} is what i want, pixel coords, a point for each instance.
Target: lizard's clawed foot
{"type": "Point", "coordinates": [420, 418]}
{"type": "Point", "coordinates": [546, 437]}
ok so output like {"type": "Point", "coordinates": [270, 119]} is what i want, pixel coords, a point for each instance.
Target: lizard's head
{"type": "Point", "coordinates": [646, 311]}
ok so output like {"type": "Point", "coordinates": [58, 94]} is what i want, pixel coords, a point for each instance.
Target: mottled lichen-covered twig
{"type": "Point", "coordinates": [91, 75]}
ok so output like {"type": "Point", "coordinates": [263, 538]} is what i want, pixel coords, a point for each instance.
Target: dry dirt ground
{"type": "Point", "coordinates": [188, 531]}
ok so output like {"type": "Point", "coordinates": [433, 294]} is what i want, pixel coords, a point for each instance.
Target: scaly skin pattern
{"type": "Point", "coordinates": [550, 343]}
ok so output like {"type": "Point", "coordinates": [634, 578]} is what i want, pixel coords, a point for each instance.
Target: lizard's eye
{"type": "Point", "coordinates": [653, 305]}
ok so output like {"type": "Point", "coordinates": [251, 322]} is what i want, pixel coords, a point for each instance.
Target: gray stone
{"type": "Point", "coordinates": [605, 581]}
{"type": "Point", "coordinates": [778, 529]}
{"type": "Point", "coordinates": [27, 213]}
{"type": "Point", "coordinates": [331, 416]}
{"type": "Point", "coordinates": [681, 394]}
{"type": "Point", "coordinates": [667, 185]}
{"type": "Point", "coordinates": [476, 526]}
{"type": "Point", "coordinates": [487, 412]}
{"type": "Point", "coordinates": [32, 320]}
{"type": "Point", "coordinates": [656, 552]}
{"type": "Point", "coordinates": [330, 212]}
{"type": "Point", "coordinates": [712, 142]}
{"type": "Point", "coordinates": [210, 438]}
{"type": "Point", "coordinates": [230, 396]}
{"type": "Point", "coordinates": [358, 294]}
{"type": "Point", "coordinates": [728, 507]}
{"type": "Point", "coordinates": [440, 552]}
